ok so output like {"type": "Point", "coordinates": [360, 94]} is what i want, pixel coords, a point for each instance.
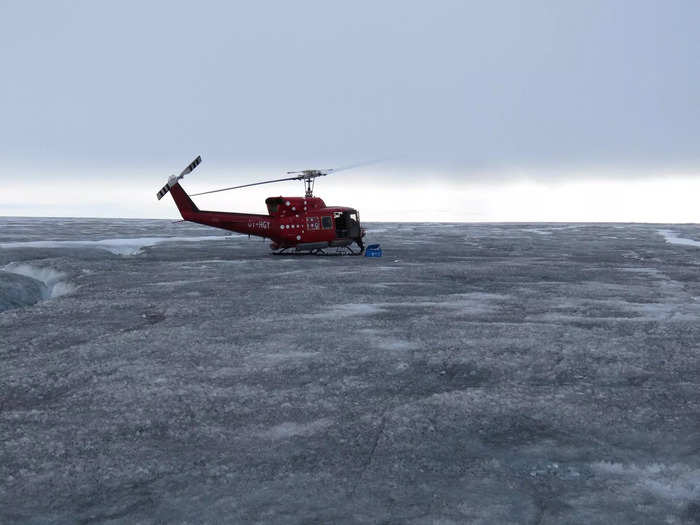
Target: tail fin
{"type": "Point", "coordinates": [183, 201]}
{"type": "Point", "coordinates": [172, 181]}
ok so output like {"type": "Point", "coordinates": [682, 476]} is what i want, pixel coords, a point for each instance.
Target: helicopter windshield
{"type": "Point", "coordinates": [273, 204]}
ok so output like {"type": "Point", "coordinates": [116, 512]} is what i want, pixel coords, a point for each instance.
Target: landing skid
{"type": "Point", "coordinates": [341, 250]}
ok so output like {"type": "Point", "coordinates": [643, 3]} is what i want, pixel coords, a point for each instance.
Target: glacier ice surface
{"type": "Point", "coordinates": [477, 373]}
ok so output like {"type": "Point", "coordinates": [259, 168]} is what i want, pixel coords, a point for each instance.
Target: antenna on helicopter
{"type": "Point", "coordinates": [308, 176]}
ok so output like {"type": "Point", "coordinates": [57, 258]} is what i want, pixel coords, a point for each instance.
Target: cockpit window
{"type": "Point", "coordinates": [273, 204]}
{"type": "Point", "coordinates": [327, 223]}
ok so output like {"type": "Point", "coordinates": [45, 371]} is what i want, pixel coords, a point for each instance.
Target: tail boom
{"type": "Point", "coordinates": [246, 223]}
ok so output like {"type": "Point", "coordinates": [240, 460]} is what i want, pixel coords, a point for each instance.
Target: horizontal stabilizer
{"type": "Point", "coordinates": [173, 180]}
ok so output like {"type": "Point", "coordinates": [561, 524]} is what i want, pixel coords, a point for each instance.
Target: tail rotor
{"type": "Point", "coordinates": [174, 180]}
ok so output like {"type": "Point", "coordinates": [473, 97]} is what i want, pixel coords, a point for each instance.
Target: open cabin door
{"type": "Point", "coordinates": [347, 224]}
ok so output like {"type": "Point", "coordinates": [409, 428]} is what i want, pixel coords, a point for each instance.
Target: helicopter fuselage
{"type": "Point", "coordinates": [302, 223]}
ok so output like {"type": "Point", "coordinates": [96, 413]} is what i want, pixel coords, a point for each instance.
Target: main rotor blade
{"type": "Point", "coordinates": [342, 168]}
{"type": "Point", "coordinates": [244, 186]}
{"type": "Point", "coordinates": [301, 175]}
{"type": "Point", "coordinates": [358, 165]}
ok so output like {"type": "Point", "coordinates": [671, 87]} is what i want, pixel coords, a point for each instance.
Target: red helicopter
{"type": "Point", "coordinates": [301, 224]}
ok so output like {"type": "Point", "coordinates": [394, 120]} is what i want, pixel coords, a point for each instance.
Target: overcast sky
{"type": "Point", "coordinates": [531, 110]}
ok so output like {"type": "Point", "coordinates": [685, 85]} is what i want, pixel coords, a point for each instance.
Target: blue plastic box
{"type": "Point", "coordinates": [373, 250]}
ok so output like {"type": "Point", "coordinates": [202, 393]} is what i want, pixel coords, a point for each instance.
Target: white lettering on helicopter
{"type": "Point", "coordinates": [260, 225]}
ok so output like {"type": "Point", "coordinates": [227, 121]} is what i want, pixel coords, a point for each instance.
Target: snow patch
{"type": "Point", "coordinates": [385, 341]}
{"type": "Point", "coordinates": [666, 311]}
{"type": "Point", "coordinates": [460, 303]}
{"type": "Point", "coordinates": [220, 261]}
{"type": "Point", "coordinates": [291, 429]}
{"type": "Point", "coordinates": [388, 343]}
{"type": "Point", "coordinates": [54, 285]}
{"type": "Point", "coordinates": [132, 246]}
{"type": "Point", "coordinates": [673, 238]}
{"type": "Point", "coordinates": [469, 303]}
{"type": "Point", "coordinates": [283, 357]}
{"type": "Point", "coordinates": [180, 282]}
{"type": "Point", "coordinates": [673, 482]}
{"type": "Point", "coordinates": [651, 271]}
{"type": "Point", "coordinates": [538, 232]}
{"type": "Point", "coordinates": [350, 309]}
